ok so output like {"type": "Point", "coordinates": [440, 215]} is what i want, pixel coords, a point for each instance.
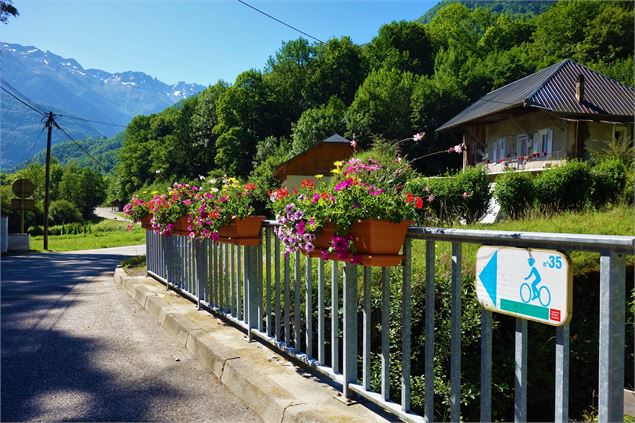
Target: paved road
{"type": "Point", "coordinates": [76, 347]}
{"type": "Point", "coordinates": [107, 213]}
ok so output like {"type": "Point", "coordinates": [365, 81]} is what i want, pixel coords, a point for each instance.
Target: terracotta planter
{"type": "Point", "coordinates": [180, 226]}
{"type": "Point", "coordinates": [146, 221]}
{"type": "Point", "coordinates": [379, 237]}
{"type": "Point", "coordinates": [242, 229]}
{"type": "Point", "coordinates": [323, 238]}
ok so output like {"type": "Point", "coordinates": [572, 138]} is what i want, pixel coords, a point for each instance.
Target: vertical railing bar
{"type": "Point", "coordinates": [385, 329]}
{"type": "Point", "coordinates": [278, 324]}
{"type": "Point", "coordinates": [455, 332]}
{"type": "Point", "coordinates": [232, 280]}
{"type": "Point", "coordinates": [287, 299]}
{"type": "Point", "coordinates": [200, 271]}
{"type": "Point", "coordinates": [260, 288]}
{"type": "Point", "coordinates": [208, 271]}
{"type": "Point", "coordinates": [335, 300]}
{"type": "Point", "coordinates": [321, 340]}
{"type": "Point", "coordinates": [429, 333]}
{"type": "Point", "coordinates": [486, 366]}
{"type": "Point", "coordinates": [350, 329]}
{"type": "Point", "coordinates": [227, 279]}
{"type": "Point", "coordinates": [612, 333]}
{"type": "Point", "coordinates": [520, 354]}
{"type": "Point", "coordinates": [308, 306]}
{"type": "Point", "coordinates": [297, 336]}
{"type": "Point", "coordinates": [221, 290]}
{"type": "Point", "coordinates": [406, 323]}
{"type": "Point", "coordinates": [562, 375]}
{"type": "Point", "coordinates": [366, 328]}
{"type": "Point", "coordinates": [249, 288]}
{"type": "Point", "coordinates": [268, 279]}
{"type": "Point", "coordinates": [215, 272]}
{"type": "Point", "coordinates": [240, 281]}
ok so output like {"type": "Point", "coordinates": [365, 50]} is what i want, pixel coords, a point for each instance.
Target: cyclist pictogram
{"type": "Point", "coordinates": [532, 293]}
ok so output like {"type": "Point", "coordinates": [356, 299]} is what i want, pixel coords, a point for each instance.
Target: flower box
{"type": "Point", "coordinates": [379, 237]}
{"type": "Point", "coordinates": [146, 221]}
{"type": "Point", "coordinates": [322, 240]}
{"type": "Point", "coordinates": [245, 231]}
{"type": "Point", "coordinates": [181, 226]}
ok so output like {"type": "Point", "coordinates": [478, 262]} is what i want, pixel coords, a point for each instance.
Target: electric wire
{"type": "Point", "coordinates": [103, 167]}
{"type": "Point", "coordinates": [282, 22]}
{"type": "Point", "coordinates": [91, 121]}
{"type": "Point", "coordinates": [24, 98]}
{"type": "Point", "coordinates": [23, 102]}
{"type": "Point", "coordinates": [35, 142]}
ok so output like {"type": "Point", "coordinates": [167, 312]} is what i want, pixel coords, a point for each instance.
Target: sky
{"type": "Point", "coordinates": [198, 41]}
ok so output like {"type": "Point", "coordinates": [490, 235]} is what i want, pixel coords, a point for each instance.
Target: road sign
{"type": "Point", "coordinates": [18, 203]}
{"type": "Point", "coordinates": [530, 284]}
{"type": "Point", "coordinates": [22, 188]}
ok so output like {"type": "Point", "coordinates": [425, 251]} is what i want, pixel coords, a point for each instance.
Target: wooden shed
{"type": "Point", "coordinates": [317, 160]}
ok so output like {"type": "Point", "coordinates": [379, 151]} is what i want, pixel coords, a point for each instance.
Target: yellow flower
{"type": "Point", "coordinates": [155, 192]}
{"type": "Point", "coordinates": [319, 176]}
{"type": "Point", "coordinates": [336, 172]}
{"type": "Point", "coordinates": [144, 192]}
{"type": "Point", "coordinates": [338, 163]}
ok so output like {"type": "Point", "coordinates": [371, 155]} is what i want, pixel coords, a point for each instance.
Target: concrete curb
{"type": "Point", "coordinates": [270, 386]}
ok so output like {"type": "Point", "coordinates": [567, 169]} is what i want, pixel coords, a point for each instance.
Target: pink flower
{"type": "Point", "coordinates": [467, 195]}
{"type": "Point", "coordinates": [431, 198]}
{"type": "Point", "coordinates": [419, 136]}
{"type": "Point", "coordinates": [456, 149]}
{"type": "Point", "coordinates": [324, 255]}
{"type": "Point", "coordinates": [354, 144]}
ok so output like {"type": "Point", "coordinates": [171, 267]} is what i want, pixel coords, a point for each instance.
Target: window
{"type": "Point", "coordinates": [522, 145]}
{"type": "Point", "coordinates": [545, 142]}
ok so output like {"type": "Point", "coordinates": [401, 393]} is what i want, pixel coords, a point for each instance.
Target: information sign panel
{"type": "Point", "coordinates": [532, 284]}
{"type": "Point", "coordinates": [22, 188]}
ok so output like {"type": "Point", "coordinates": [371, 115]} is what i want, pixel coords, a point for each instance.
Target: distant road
{"type": "Point", "coordinates": [75, 347]}
{"type": "Point", "coordinates": [107, 213]}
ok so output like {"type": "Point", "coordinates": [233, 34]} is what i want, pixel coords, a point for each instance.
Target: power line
{"type": "Point", "coordinates": [23, 102]}
{"type": "Point", "coordinates": [103, 167]}
{"type": "Point", "coordinates": [25, 98]}
{"type": "Point", "coordinates": [282, 22]}
{"type": "Point", "coordinates": [91, 121]}
{"type": "Point", "coordinates": [35, 142]}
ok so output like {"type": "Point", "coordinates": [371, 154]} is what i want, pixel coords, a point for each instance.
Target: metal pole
{"type": "Point", "coordinates": [49, 125]}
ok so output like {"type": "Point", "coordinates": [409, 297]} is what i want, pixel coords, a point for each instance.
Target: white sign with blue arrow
{"type": "Point", "coordinates": [528, 283]}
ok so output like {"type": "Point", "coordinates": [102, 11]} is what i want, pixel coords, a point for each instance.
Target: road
{"type": "Point", "coordinates": [76, 347]}
{"type": "Point", "coordinates": [107, 213]}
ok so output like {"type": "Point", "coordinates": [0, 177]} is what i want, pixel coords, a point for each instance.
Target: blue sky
{"type": "Point", "coordinates": [196, 40]}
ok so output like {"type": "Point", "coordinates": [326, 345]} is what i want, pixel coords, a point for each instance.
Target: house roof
{"type": "Point", "coordinates": [322, 154]}
{"type": "Point", "coordinates": [554, 89]}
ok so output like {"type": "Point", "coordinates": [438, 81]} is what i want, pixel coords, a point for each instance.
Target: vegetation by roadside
{"type": "Point", "coordinates": [135, 266]}
{"type": "Point", "coordinates": [105, 234]}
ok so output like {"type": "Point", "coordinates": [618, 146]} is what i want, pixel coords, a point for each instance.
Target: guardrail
{"type": "Point", "coordinates": [253, 286]}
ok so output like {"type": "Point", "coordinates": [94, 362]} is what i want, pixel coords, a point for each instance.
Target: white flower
{"type": "Point", "coordinates": [212, 181]}
{"type": "Point", "coordinates": [419, 136]}
{"type": "Point", "coordinates": [157, 171]}
{"type": "Point", "coordinates": [214, 189]}
{"type": "Point", "coordinates": [201, 177]}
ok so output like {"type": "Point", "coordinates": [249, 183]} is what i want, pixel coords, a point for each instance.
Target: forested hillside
{"type": "Point", "coordinates": [411, 77]}
{"type": "Point", "coordinates": [530, 7]}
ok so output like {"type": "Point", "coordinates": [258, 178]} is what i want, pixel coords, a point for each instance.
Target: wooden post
{"type": "Point", "coordinates": [464, 145]}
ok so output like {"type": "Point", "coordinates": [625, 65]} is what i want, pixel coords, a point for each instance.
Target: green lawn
{"type": "Point", "coordinates": [105, 234]}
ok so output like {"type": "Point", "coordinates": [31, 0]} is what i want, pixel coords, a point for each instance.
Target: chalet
{"type": "Point", "coordinates": [316, 160]}
{"type": "Point", "coordinates": [558, 113]}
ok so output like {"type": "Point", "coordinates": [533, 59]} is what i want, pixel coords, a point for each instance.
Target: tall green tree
{"type": "Point", "coordinates": [318, 123]}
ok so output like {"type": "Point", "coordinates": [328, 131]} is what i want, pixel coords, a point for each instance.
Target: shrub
{"type": "Point", "coordinates": [62, 212]}
{"type": "Point", "coordinates": [564, 188]}
{"type": "Point", "coordinates": [473, 186]}
{"type": "Point", "coordinates": [628, 194]}
{"type": "Point", "coordinates": [35, 230]}
{"type": "Point", "coordinates": [515, 193]}
{"type": "Point", "coordinates": [609, 179]}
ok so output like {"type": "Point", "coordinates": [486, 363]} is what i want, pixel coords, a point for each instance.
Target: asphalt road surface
{"type": "Point", "coordinates": [76, 347]}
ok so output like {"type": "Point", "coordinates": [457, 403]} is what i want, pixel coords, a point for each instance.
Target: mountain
{"type": "Point", "coordinates": [530, 7]}
{"type": "Point", "coordinates": [62, 85]}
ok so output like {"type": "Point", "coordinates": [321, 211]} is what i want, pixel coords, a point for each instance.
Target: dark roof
{"type": "Point", "coordinates": [554, 89]}
{"type": "Point", "coordinates": [338, 139]}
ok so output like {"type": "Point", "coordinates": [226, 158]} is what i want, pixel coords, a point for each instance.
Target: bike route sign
{"type": "Point", "coordinates": [531, 284]}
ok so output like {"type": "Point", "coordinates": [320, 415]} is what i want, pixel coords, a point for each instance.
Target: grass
{"type": "Point", "coordinates": [135, 266]}
{"type": "Point", "coordinates": [105, 234]}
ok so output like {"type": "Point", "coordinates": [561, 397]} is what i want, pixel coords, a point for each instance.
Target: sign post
{"type": "Point", "coordinates": [531, 284]}
{"type": "Point", "coordinates": [22, 188]}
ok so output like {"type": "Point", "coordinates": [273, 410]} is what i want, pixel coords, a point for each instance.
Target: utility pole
{"type": "Point", "coordinates": [49, 124]}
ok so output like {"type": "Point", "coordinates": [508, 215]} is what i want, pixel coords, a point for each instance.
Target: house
{"type": "Point", "coordinates": [558, 113]}
{"type": "Point", "coordinates": [316, 160]}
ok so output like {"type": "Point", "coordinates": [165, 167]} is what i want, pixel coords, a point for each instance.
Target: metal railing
{"type": "Point", "coordinates": [252, 286]}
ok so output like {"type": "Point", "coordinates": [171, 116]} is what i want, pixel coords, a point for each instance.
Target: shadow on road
{"type": "Point", "coordinates": [45, 369]}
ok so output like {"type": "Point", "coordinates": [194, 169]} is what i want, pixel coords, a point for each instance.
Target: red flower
{"type": "Point", "coordinates": [308, 183]}
{"type": "Point", "coordinates": [250, 186]}
{"type": "Point", "coordinates": [409, 198]}
{"type": "Point", "coordinates": [419, 203]}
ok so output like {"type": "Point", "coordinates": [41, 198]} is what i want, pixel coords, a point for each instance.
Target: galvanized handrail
{"type": "Point", "coordinates": [234, 282]}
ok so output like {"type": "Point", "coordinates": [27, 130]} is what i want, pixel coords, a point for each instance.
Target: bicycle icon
{"type": "Point", "coordinates": [531, 292]}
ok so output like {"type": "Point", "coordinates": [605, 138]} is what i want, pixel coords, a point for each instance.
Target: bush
{"type": "Point", "coordinates": [515, 193]}
{"type": "Point", "coordinates": [463, 196]}
{"type": "Point", "coordinates": [628, 194]}
{"type": "Point", "coordinates": [609, 180]}
{"type": "Point", "coordinates": [62, 212]}
{"type": "Point", "coordinates": [35, 230]}
{"type": "Point", "coordinates": [564, 188]}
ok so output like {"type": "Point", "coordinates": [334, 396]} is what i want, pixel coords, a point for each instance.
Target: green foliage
{"type": "Point", "coordinates": [82, 187]}
{"type": "Point", "coordinates": [105, 150]}
{"type": "Point", "coordinates": [564, 188]}
{"type": "Point", "coordinates": [318, 123]}
{"type": "Point", "coordinates": [62, 211]}
{"type": "Point", "coordinates": [271, 153]}
{"type": "Point", "coordinates": [622, 150]}
{"type": "Point", "coordinates": [515, 193]}
{"type": "Point", "coordinates": [609, 179]}
{"type": "Point", "coordinates": [526, 7]}
{"type": "Point", "coordinates": [234, 152]}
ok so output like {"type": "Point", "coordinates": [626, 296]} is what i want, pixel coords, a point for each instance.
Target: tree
{"type": "Point", "coordinates": [382, 106]}
{"type": "Point", "coordinates": [234, 152]}
{"type": "Point", "coordinates": [204, 119]}
{"type": "Point", "coordinates": [7, 9]}
{"type": "Point", "coordinates": [402, 45]}
{"type": "Point", "coordinates": [85, 188]}
{"type": "Point", "coordinates": [318, 123]}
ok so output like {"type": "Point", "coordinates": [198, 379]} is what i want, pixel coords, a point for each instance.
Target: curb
{"type": "Point", "coordinates": [271, 386]}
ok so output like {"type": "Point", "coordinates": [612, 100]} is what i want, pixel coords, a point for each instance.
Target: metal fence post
{"type": "Point", "coordinates": [486, 366]}
{"type": "Point", "coordinates": [350, 329]}
{"type": "Point", "coordinates": [520, 402]}
{"type": "Point", "coordinates": [612, 316]}
{"type": "Point", "coordinates": [562, 375]}
{"type": "Point", "coordinates": [455, 332]}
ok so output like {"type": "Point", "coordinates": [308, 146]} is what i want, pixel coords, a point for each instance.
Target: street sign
{"type": "Point", "coordinates": [18, 203]}
{"type": "Point", "coordinates": [22, 188]}
{"type": "Point", "coordinates": [528, 283]}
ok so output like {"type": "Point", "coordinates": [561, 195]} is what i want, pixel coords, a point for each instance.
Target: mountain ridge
{"type": "Point", "coordinates": [63, 86]}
